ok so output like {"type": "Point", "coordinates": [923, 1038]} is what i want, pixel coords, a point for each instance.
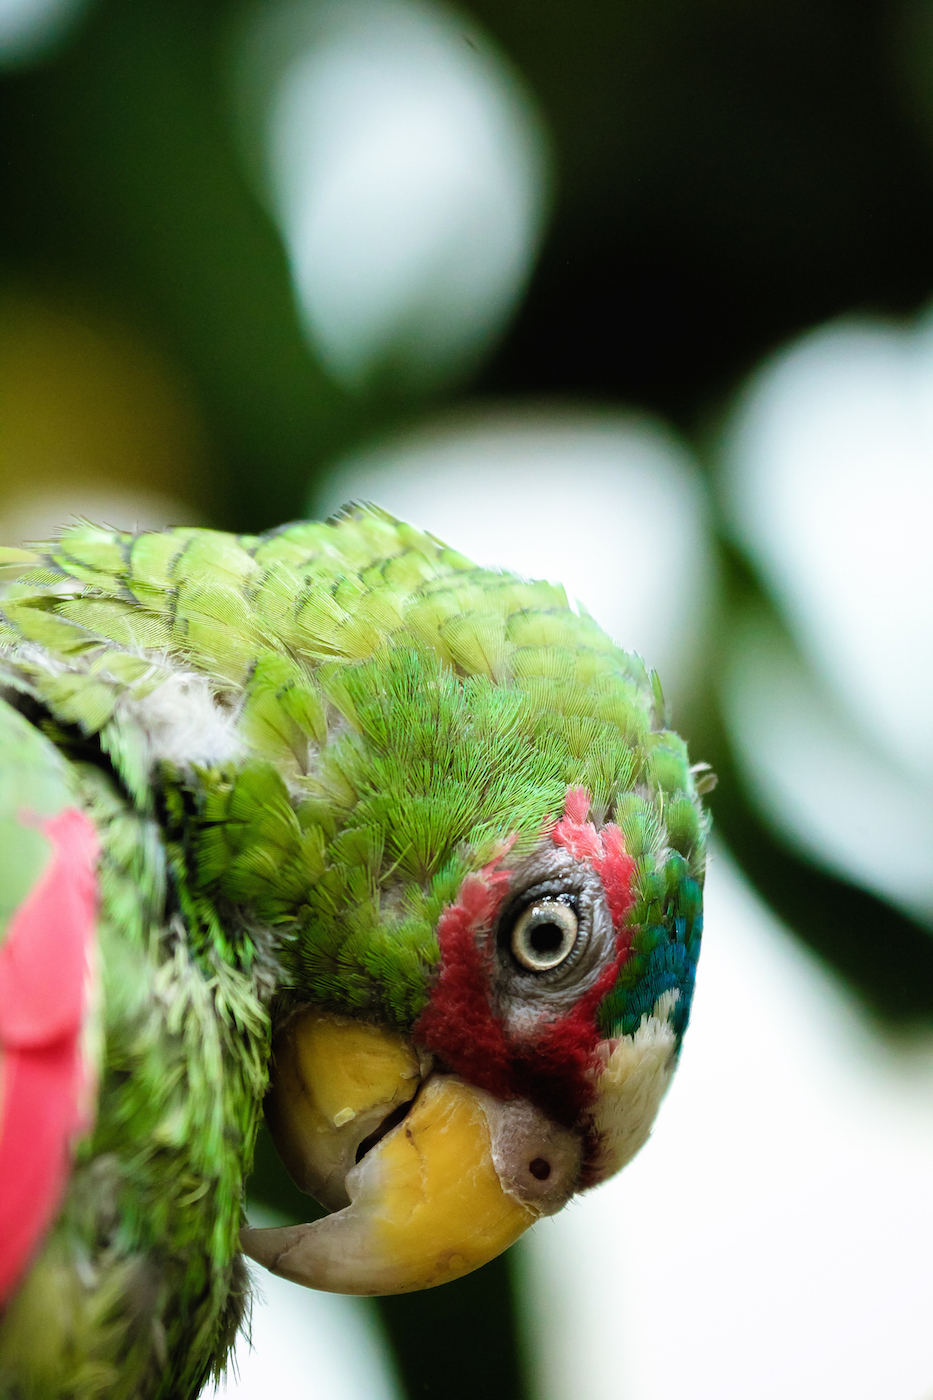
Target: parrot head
{"type": "Point", "coordinates": [450, 809]}
{"type": "Point", "coordinates": [491, 977]}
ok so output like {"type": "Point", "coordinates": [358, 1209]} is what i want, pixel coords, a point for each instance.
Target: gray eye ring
{"type": "Point", "coordinates": [544, 935]}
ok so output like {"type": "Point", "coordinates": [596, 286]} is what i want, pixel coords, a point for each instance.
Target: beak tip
{"type": "Point", "coordinates": [267, 1247]}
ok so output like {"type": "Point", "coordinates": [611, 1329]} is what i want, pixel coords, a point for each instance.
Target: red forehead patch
{"type": "Point", "coordinates": [604, 850]}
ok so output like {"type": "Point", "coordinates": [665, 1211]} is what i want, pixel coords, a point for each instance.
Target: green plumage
{"type": "Point", "coordinates": [370, 717]}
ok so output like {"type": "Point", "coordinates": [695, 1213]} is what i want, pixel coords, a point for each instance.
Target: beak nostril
{"type": "Point", "coordinates": [539, 1168]}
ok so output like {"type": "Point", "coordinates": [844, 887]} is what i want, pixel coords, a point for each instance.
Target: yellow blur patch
{"type": "Point", "coordinates": [92, 419]}
{"type": "Point", "coordinates": [439, 1210]}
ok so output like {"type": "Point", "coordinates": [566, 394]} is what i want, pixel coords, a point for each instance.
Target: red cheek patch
{"type": "Point", "coordinates": [552, 1065]}
{"type": "Point", "coordinates": [555, 1070]}
{"type": "Point", "coordinates": [458, 1024]}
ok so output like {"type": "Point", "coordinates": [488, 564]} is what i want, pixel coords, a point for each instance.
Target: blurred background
{"type": "Point", "coordinates": [630, 295]}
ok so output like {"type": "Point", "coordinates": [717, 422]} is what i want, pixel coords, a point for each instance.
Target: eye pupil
{"type": "Point", "coordinates": [546, 938]}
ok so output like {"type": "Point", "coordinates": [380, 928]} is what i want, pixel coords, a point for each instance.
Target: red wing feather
{"type": "Point", "coordinates": [45, 1080]}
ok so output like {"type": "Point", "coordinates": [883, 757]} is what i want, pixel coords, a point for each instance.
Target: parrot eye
{"type": "Point", "coordinates": [544, 935]}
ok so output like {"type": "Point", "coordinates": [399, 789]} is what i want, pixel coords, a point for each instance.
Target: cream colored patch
{"type": "Point", "coordinates": [632, 1085]}
{"type": "Point", "coordinates": [184, 723]}
{"type": "Point", "coordinates": [181, 718]}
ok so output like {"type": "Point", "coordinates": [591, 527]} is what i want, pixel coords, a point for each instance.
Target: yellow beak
{"type": "Point", "coordinates": [447, 1177]}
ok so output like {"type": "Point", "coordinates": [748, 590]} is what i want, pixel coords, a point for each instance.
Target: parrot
{"type": "Point", "coordinates": [331, 828]}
